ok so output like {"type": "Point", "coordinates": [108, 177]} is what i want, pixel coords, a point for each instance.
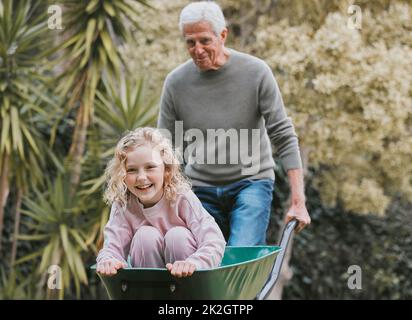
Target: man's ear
{"type": "Point", "coordinates": [223, 35]}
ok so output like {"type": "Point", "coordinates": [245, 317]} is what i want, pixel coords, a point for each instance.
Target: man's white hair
{"type": "Point", "coordinates": [208, 11]}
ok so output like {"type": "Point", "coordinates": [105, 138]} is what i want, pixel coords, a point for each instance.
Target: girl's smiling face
{"type": "Point", "coordinates": [145, 171]}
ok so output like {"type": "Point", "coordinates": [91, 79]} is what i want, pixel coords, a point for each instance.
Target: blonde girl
{"type": "Point", "coordinates": [155, 219]}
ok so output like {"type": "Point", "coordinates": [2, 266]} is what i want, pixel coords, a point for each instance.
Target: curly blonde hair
{"type": "Point", "coordinates": [174, 181]}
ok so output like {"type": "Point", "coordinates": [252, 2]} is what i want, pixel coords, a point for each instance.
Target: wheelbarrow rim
{"type": "Point", "coordinates": [276, 250]}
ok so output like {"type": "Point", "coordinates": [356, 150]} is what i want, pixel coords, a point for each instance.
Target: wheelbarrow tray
{"type": "Point", "coordinates": [242, 274]}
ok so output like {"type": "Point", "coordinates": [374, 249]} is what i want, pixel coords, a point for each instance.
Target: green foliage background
{"type": "Point", "coordinates": [349, 93]}
{"type": "Point", "coordinates": [380, 246]}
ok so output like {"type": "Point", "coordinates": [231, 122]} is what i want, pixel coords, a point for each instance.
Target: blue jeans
{"type": "Point", "coordinates": [241, 209]}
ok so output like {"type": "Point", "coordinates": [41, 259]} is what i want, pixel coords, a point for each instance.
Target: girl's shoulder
{"type": "Point", "coordinates": [187, 197]}
{"type": "Point", "coordinates": [187, 194]}
{"type": "Point", "coordinates": [187, 205]}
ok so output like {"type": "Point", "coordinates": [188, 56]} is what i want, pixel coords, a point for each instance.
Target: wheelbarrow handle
{"type": "Point", "coordinates": [274, 275]}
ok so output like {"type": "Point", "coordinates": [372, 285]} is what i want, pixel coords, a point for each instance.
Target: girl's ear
{"type": "Point", "coordinates": [167, 171]}
{"type": "Point", "coordinates": [168, 174]}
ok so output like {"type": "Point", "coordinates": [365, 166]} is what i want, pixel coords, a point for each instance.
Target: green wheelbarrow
{"type": "Point", "coordinates": [245, 273]}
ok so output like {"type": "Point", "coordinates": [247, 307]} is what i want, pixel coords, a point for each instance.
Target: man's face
{"type": "Point", "coordinates": [203, 45]}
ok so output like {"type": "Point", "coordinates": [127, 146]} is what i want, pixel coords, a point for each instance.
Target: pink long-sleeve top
{"type": "Point", "coordinates": [186, 211]}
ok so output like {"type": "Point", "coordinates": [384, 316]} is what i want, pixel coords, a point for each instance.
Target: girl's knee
{"type": "Point", "coordinates": [147, 248]}
{"type": "Point", "coordinates": [147, 235]}
{"type": "Point", "coordinates": [179, 244]}
{"type": "Point", "coordinates": [177, 234]}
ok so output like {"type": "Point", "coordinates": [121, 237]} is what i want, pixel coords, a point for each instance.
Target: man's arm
{"type": "Point", "coordinates": [283, 136]}
{"type": "Point", "coordinates": [297, 209]}
{"type": "Point", "coordinates": [167, 115]}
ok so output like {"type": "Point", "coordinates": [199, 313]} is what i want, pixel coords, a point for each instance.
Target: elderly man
{"type": "Point", "coordinates": [222, 93]}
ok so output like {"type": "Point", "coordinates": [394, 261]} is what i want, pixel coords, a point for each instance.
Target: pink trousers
{"type": "Point", "coordinates": [149, 249]}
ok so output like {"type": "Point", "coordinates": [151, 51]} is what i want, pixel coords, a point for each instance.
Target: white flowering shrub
{"type": "Point", "coordinates": [348, 91]}
{"type": "Point", "coordinates": [159, 46]}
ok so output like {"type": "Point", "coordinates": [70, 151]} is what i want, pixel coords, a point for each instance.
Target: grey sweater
{"type": "Point", "coordinates": [225, 119]}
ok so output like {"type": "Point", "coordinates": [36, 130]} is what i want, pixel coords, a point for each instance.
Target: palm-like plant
{"type": "Point", "coordinates": [92, 31]}
{"type": "Point", "coordinates": [15, 285]}
{"type": "Point", "coordinates": [62, 222]}
{"type": "Point", "coordinates": [124, 105]}
{"type": "Point", "coordinates": [120, 106]}
{"type": "Point", "coordinates": [23, 37]}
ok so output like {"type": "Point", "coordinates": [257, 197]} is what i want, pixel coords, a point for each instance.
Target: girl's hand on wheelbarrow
{"type": "Point", "coordinates": [110, 267]}
{"type": "Point", "coordinates": [181, 268]}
